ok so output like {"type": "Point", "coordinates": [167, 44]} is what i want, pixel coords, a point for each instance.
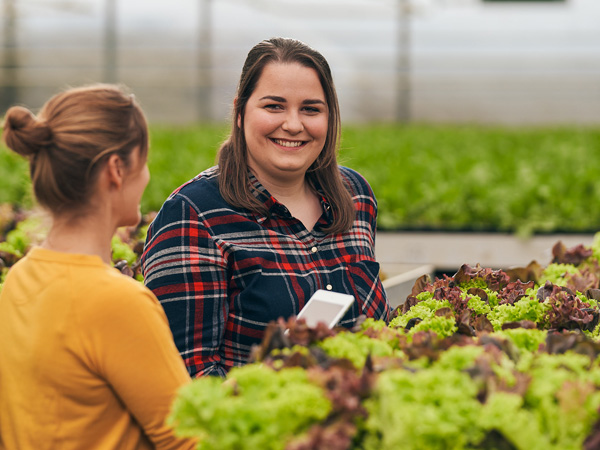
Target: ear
{"type": "Point", "coordinates": [239, 117]}
{"type": "Point", "coordinates": [115, 171]}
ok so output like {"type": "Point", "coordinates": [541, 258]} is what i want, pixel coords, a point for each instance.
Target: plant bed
{"type": "Point", "coordinates": [521, 180]}
{"type": "Point", "coordinates": [486, 359]}
{"type": "Point", "coordinates": [447, 251]}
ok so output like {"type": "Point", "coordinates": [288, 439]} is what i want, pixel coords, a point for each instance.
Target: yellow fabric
{"type": "Point", "coordinates": [87, 360]}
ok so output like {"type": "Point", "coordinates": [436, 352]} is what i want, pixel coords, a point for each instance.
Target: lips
{"type": "Point", "coordinates": [288, 144]}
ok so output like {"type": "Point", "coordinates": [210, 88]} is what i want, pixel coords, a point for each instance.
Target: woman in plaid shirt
{"type": "Point", "coordinates": [250, 240]}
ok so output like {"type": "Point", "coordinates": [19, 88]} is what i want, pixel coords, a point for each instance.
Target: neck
{"type": "Point", "coordinates": [287, 189]}
{"type": "Point", "coordinates": [88, 235]}
{"type": "Point", "coordinates": [298, 197]}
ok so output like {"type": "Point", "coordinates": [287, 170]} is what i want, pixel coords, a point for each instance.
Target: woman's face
{"type": "Point", "coordinates": [134, 184]}
{"type": "Point", "coordinates": [285, 122]}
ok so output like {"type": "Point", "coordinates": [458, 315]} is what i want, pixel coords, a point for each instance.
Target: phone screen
{"type": "Point", "coordinates": [320, 311]}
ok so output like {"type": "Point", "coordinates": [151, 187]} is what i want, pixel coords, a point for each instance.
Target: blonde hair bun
{"type": "Point", "coordinates": [24, 133]}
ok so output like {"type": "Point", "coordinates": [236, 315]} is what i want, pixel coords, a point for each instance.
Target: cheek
{"type": "Point", "coordinates": [319, 129]}
{"type": "Point", "coordinates": [261, 122]}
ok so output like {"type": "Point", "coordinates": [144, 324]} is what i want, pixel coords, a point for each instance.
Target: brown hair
{"type": "Point", "coordinates": [70, 138]}
{"type": "Point", "coordinates": [324, 172]}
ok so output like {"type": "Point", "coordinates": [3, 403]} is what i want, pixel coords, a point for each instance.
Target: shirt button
{"type": "Point", "coordinates": [329, 287]}
{"type": "Point", "coordinates": [314, 249]}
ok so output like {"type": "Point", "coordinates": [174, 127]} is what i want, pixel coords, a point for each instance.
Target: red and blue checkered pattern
{"type": "Point", "coordinates": [222, 273]}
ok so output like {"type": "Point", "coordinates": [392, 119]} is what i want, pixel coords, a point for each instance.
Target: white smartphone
{"type": "Point", "coordinates": [325, 306]}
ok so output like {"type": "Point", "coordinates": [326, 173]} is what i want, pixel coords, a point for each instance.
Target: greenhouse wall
{"type": "Point", "coordinates": [515, 62]}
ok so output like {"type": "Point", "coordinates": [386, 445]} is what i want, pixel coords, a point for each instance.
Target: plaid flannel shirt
{"type": "Point", "coordinates": [222, 274]}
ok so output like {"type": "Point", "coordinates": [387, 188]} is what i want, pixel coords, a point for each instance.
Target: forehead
{"type": "Point", "coordinates": [292, 78]}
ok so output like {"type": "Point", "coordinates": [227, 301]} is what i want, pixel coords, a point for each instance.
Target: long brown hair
{"type": "Point", "coordinates": [71, 137]}
{"type": "Point", "coordinates": [324, 172]}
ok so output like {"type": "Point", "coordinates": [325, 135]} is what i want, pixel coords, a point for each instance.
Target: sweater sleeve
{"type": "Point", "coordinates": [133, 350]}
{"type": "Point", "coordinates": [187, 272]}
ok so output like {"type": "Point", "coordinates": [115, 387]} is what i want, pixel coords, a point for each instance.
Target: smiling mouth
{"type": "Point", "coordinates": [288, 144]}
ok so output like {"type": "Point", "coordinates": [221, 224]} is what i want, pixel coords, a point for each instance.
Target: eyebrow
{"type": "Point", "coordinates": [309, 101]}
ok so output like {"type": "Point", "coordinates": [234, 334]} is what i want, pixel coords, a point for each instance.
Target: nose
{"type": "Point", "coordinates": [292, 123]}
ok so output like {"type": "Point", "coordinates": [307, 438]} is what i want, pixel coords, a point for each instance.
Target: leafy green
{"type": "Point", "coordinates": [356, 347]}
{"type": "Point", "coordinates": [122, 251]}
{"type": "Point", "coordinates": [459, 357]}
{"type": "Point", "coordinates": [527, 308]}
{"type": "Point", "coordinates": [505, 412]}
{"type": "Point", "coordinates": [177, 154]}
{"type": "Point", "coordinates": [425, 309]}
{"type": "Point", "coordinates": [478, 306]}
{"type": "Point", "coordinates": [524, 339]}
{"type": "Point", "coordinates": [564, 396]}
{"type": "Point", "coordinates": [434, 177]}
{"type": "Point", "coordinates": [256, 408]}
{"type": "Point", "coordinates": [555, 273]}
{"type": "Point", "coordinates": [443, 326]}
{"type": "Point", "coordinates": [28, 231]}
{"type": "Point", "coordinates": [428, 409]}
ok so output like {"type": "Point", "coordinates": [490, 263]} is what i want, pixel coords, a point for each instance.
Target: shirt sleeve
{"type": "Point", "coordinates": [132, 349]}
{"type": "Point", "coordinates": [366, 273]}
{"type": "Point", "coordinates": [186, 270]}
{"type": "Point", "coordinates": [380, 307]}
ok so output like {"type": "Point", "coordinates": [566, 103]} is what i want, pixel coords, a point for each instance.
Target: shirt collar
{"type": "Point", "coordinates": [262, 195]}
{"type": "Point", "coordinates": [274, 207]}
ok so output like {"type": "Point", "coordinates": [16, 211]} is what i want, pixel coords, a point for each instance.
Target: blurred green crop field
{"type": "Point", "coordinates": [426, 177]}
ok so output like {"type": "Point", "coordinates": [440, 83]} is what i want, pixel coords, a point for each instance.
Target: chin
{"type": "Point", "coordinates": [133, 221]}
{"type": "Point", "coordinates": [294, 168]}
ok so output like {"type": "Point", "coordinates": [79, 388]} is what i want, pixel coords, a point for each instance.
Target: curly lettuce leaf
{"type": "Point", "coordinates": [478, 306]}
{"type": "Point", "coordinates": [555, 273]}
{"type": "Point", "coordinates": [256, 407]}
{"type": "Point", "coordinates": [504, 412]}
{"type": "Point", "coordinates": [563, 397]}
{"type": "Point", "coordinates": [528, 340]}
{"type": "Point", "coordinates": [443, 326]}
{"type": "Point", "coordinates": [429, 409]}
{"type": "Point", "coordinates": [527, 308]}
{"type": "Point", "coordinates": [424, 309]}
{"type": "Point", "coordinates": [356, 347]}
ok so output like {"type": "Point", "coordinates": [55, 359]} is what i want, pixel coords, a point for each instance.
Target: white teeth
{"type": "Point", "coordinates": [288, 143]}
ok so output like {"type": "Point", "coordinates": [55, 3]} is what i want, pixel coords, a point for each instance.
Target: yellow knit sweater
{"type": "Point", "coordinates": [87, 359]}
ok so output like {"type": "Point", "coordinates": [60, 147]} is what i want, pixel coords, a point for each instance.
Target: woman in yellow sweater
{"type": "Point", "coordinates": [87, 359]}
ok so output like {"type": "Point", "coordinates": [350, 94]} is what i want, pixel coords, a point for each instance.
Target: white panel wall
{"type": "Point", "coordinates": [467, 60]}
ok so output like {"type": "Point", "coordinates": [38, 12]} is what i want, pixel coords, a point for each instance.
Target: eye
{"type": "Point", "coordinates": [311, 109]}
{"type": "Point", "coordinates": [273, 107]}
